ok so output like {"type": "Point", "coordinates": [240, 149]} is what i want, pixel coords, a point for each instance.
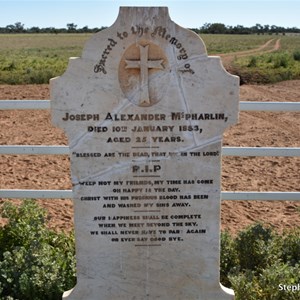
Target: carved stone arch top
{"type": "Point", "coordinates": [144, 110]}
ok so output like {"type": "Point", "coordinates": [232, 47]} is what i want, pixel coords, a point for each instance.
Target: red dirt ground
{"type": "Point", "coordinates": [239, 173]}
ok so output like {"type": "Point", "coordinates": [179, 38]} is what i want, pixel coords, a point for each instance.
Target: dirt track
{"type": "Point", "coordinates": [270, 46]}
{"type": "Point", "coordinates": [239, 173]}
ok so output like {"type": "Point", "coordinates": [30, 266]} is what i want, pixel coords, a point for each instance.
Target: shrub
{"type": "Point", "coordinates": [296, 55]}
{"type": "Point", "coordinates": [252, 62]}
{"type": "Point", "coordinates": [291, 248]}
{"type": "Point", "coordinates": [244, 285]}
{"type": "Point", "coordinates": [35, 262]}
{"type": "Point", "coordinates": [38, 264]}
{"type": "Point", "coordinates": [275, 275]}
{"type": "Point", "coordinates": [255, 248]}
{"type": "Point", "coordinates": [281, 60]}
{"type": "Point", "coordinates": [262, 262]}
{"type": "Point", "coordinates": [268, 285]}
{"type": "Point", "coordinates": [229, 259]}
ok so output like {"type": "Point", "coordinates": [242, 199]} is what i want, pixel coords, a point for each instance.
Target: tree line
{"type": "Point", "coordinates": [219, 28]}
{"type": "Point", "coordinates": [210, 28]}
{"type": "Point", "coordinates": [18, 27]}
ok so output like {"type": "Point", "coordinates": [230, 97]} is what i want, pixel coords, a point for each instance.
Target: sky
{"type": "Point", "coordinates": [190, 14]}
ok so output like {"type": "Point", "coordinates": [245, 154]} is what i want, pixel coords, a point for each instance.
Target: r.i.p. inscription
{"type": "Point", "coordinates": [144, 109]}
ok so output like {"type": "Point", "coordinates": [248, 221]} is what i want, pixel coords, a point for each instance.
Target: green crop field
{"type": "Point", "coordinates": [35, 58]}
{"type": "Point", "coordinates": [225, 43]}
{"type": "Point", "coordinates": [271, 67]}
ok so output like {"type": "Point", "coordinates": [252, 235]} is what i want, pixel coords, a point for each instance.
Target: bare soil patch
{"type": "Point", "coordinates": [239, 173]}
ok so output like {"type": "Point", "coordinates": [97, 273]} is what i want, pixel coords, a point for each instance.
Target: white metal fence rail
{"type": "Point", "coordinates": [244, 105]}
{"type": "Point", "coordinates": [226, 151]}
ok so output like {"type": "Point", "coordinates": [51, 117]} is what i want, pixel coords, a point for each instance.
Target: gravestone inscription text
{"type": "Point", "coordinates": [144, 109]}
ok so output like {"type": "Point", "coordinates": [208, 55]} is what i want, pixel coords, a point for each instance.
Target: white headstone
{"type": "Point", "coordinates": [144, 109]}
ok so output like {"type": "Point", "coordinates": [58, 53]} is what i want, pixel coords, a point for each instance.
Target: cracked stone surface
{"type": "Point", "coordinates": [144, 110]}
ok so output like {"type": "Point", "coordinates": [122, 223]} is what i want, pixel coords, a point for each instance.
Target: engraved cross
{"type": "Point", "coordinates": [144, 64]}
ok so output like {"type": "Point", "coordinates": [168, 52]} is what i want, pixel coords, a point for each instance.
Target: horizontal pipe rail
{"type": "Point", "coordinates": [226, 151]}
{"type": "Point", "coordinates": [24, 104]}
{"type": "Point", "coordinates": [36, 194]}
{"type": "Point", "coordinates": [262, 196]}
{"type": "Point", "coordinates": [67, 194]}
{"type": "Point", "coordinates": [244, 105]}
{"type": "Point", "coordinates": [33, 150]}
{"type": "Point", "coordinates": [261, 151]}
{"type": "Point", "coordinates": [269, 106]}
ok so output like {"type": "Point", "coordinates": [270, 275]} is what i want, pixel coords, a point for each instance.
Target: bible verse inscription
{"type": "Point", "coordinates": [144, 109]}
{"type": "Point", "coordinates": [134, 211]}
